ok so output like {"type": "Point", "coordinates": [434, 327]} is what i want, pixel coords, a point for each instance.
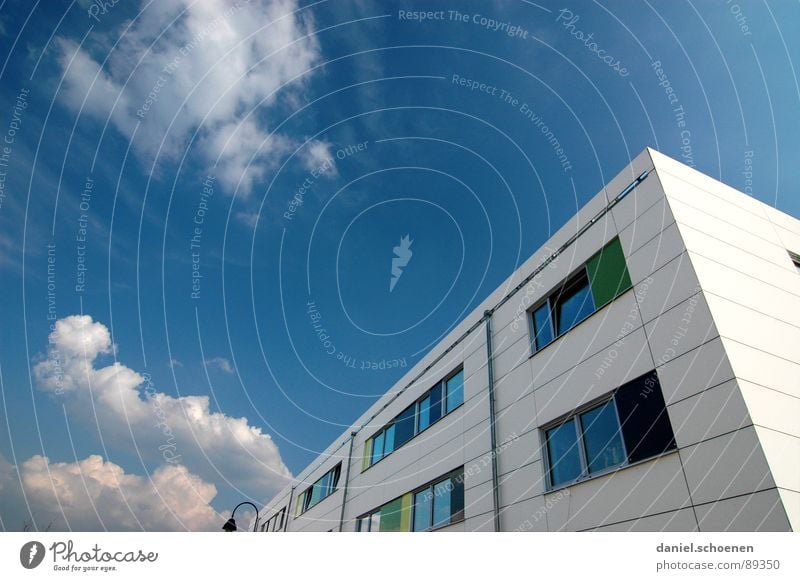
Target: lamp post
{"type": "Point", "coordinates": [230, 526]}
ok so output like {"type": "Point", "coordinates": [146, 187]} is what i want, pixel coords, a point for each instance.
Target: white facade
{"type": "Point", "coordinates": [713, 308]}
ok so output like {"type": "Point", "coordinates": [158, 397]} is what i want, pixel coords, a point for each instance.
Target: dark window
{"type": "Point", "coordinates": [404, 426]}
{"type": "Point", "coordinates": [436, 403]}
{"type": "Point", "coordinates": [573, 304]}
{"type": "Point", "coordinates": [632, 425]}
{"type": "Point", "coordinates": [645, 424]}
{"type": "Point", "coordinates": [542, 326]}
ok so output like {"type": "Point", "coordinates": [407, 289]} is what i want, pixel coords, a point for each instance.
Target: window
{"type": "Point", "coordinates": [455, 391]}
{"type": "Point", "coordinates": [603, 278]}
{"type": "Point", "coordinates": [437, 402]}
{"type": "Point", "coordinates": [440, 503]}
{"type": "Point", "coordinates": [542, 326]}
{"type": "Point", "coordinates": [275, 522]}
{"type": "Point", "coordinates": [630, 426]}
{"type": "Point", "coordinates": [573, 304]}
{"type": "Point", "coordinates": [320, 490]}
{"type": "Point", "coordinates": [434, 505]}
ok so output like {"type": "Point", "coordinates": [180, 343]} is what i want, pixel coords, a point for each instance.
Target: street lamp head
{"type": "Point", "coordinates": [230, 526]}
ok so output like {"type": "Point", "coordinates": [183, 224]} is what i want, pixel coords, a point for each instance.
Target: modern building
{"type": "Point", "coordinates": [641, 371]}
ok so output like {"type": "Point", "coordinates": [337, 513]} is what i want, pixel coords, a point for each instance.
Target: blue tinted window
{"type": "Point", "coordinates": [455, 391]}
{"type": "Point", "coordinates": [422, 509]}
{"type": "Point", "coordinates": [574, 304]}
{"type": "Point", "coordinates": [404, 426]}
{"type": "Point", "coordinates": [441, 502]}
{"type": "Point", "coordinates": [601, 438]}
{"type": "Point", "coordinates": [424, 414]}
{"type": "Point", "coordinates": [563, 453]}
{"type": "Point", "coordinates": [542, 326]}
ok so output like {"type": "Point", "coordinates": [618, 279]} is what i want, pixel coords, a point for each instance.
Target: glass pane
{"type": "Point", "coordinates": [441, 502]}
{"type": "Point", "coordinates": [455, 391]}
{"type": "Point", "coordinates": [375, 522]}
{"type": "Point", "coordinates": [436, 403]}
{"type": "Point", "coordinates": [362, 524]}
{"type": "Point", "coordinates": [542, 326]}
{"type": "Point", "coordinates": [388, 440]}
{"type": "Point", "coordinates": [404, 426]}
{"type": "Point", "coordinates": [377, 447]}
{"type": "Point", "coordinates": [422, 510]}
{"type": "Point", "coordinates": [574, 305]}
{"type": "Point", "coordinates": [646, 428]}
{"type": "Point", "coordinates": [602, 438]}
{"type": "Point", "coordinates": [334, 479]}
{"type": "Point", "coordinates": [563, 453]}
{"type": "Point", "coordinates": [424, 414]}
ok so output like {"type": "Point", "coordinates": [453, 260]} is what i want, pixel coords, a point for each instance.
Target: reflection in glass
{"type": "Point", "coordinates": [441, 502]}
{"type": "Point", "coordinates": [455, 391]}
{"type": "Point", "coordinates": [422, 510]}
{"type": "Point", "coordinates": [601, 437]}
{"type": "Point", "coordinates": [574, 304]}
{"type": "Point", "coordinates": [563, 453]}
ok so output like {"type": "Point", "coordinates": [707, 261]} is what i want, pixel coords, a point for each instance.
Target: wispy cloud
{"type": "Point", "coordinates": [219, 69]}
{"type": "Point", "coordinates": [219, 363]}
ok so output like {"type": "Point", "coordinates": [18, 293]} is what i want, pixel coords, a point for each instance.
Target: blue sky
{"type": "Point", "coordinates": [281, 150]}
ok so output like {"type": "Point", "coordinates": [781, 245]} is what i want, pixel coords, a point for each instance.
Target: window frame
{"type": "Point", "coordinates": [334, 475]}
{"type": "Point", "coordinates": [454, 475]}
{"type": "Point", "coordinates": [552, 299]}
{"type": "Point", "coordinates": [574, 417]}
{"type": "Point", "coordinates": [431, 486]}
{"type": "Point", "coordinates": [442, 383]}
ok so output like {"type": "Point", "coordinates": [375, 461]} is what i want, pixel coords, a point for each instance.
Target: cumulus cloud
{"type": "Point", "coordinates": [93, 494]}
{"type": "Point", "coordinates": [220, 66]}
{"type": "Point", "coordinates": [131, 413]}
{"type": "Point", "coordinates": [220, 363]}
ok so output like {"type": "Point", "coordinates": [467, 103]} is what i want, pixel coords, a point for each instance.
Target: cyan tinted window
{"type": "Point", "coordinates": [436, 403]}
{"type": "Point", "coordinates": [423, 506]}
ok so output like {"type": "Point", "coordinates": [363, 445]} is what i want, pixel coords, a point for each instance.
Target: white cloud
{"type": "Point", "coordinates": [217, 68]}
{"type": "Point", "coordinates": [93, 494]}
{"type": "Point", "coordinates": [130, 413]}
{"type": "Point", "coordinates": [220, 363]}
